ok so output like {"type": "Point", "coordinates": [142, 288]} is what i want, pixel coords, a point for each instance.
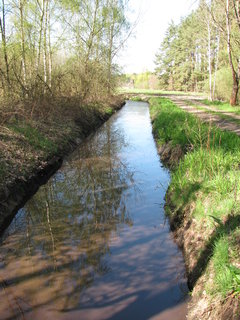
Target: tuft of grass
{"type": "Point", "coordinates": [207, 179]}
{"type": "Point", "coordinates": [227, 277]}
{"type": "Point", "coordinates": [223, 279]}
{"type": "Point", "coordinates": [109, 110]}
{"type": "Point", "coordinates": [35, 138]}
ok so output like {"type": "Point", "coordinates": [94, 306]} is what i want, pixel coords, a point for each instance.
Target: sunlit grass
{"type": "Point", "coordinates": [152, 92]}
{"type": "Point", "coordinates": [227, 278]}
{"type": "Point", "coordinates": [220, 114]}
{"type": "Point", "coordinates": [35, 138]}
{"type": "Point", "coordinates": [223, 106]}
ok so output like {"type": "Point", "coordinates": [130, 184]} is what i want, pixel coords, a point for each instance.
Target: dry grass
{"type": "Point", "coordinates": [34, 131]}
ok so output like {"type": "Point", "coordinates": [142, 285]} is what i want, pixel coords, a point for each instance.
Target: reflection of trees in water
{"type": "Point", "coordinates": [71, 219]}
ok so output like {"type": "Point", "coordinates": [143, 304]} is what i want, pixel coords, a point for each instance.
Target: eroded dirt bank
{"type": "Point", "coordinates": [31, 152]}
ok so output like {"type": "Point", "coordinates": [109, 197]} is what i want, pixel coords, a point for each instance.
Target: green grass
{"type": "Point", "coordinates": [227, 276]}
{"type": "Point", "coordinates": [219, 114]}
{"type": "Point", "coordinates": [185, 129]}
{"type": "Point", "coordinates": [136, 98]}
{"type": "Point", "coordinates": [153, 92]}
{"type": "Point", "coordinates": [109, 110]}
{"type": "Point", "coordinates": [35, 138]}
{"type": "Point", "coordinates": [209, 177]}
{"type": "Point", "coordinates": [223, 106]}
{"type": "Point", "coordinates": [224, 116]}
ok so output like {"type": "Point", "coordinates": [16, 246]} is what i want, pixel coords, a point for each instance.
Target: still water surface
{"type": "Point", "coordinates": [94, 243]}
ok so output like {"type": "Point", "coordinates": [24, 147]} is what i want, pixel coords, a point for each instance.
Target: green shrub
{"type": "Point", "coordinates": [223, 84]}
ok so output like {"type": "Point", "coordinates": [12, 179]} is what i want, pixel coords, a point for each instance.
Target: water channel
{"type": "Point", "coordinates": [94, 243]}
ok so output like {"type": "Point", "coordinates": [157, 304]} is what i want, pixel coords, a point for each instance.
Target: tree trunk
{"type": "Point", "coordinates": [216, 64]}
{"type": "Point", "coordinates": [235, 76]}
{"type": "Point", "coordinates": [49, 49]}
{"type": "Point", "coordinates": [21, 8]}
{"type": "Point", "coordinates": [45, 5]}
{"type": "Point", "coordinates": [237, 11]}
{"type": "Point", "coordinates": [4, 43]}
{"type": "Point", "coordinates": [110, 49]}
{"type": "Point", "coordinates": [40, 36]}
{"type": "Point", "coordinates": [90, 42]}
{"type": "Point", "coordinates": [209, 60]}
{"type": "Point", "coordinates": [234, 95]}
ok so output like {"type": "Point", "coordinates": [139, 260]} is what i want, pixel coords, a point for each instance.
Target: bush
{"type": "Point", "coordinates": [223, 84]}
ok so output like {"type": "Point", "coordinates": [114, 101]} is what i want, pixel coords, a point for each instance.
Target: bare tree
{"type": "Point", "coordinates": [4, 41]}
{"type": "Point", "coordinates": [48, 16]}
{"type": "Point", "coordinates": [235, 73]}
{"type": "Point", "coordinates": [41, 6]}
{"type": "Point", "coordinates": [21, 11]}
{"type": "Point", "coordinates": [216, 63]}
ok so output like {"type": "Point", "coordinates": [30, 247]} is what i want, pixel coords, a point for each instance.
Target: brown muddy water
{"type": "Point", "coordinates": [93, 243]}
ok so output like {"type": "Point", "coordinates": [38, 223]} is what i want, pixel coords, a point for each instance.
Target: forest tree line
{"type": "Point", "coordinates": [145, 80]}
{"type": "Point", "coordinates": [59, 47]}
{"type": "Point", "coordinates": [202, 52]}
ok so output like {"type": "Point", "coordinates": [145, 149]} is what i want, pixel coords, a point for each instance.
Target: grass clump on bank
{"type": "Point", "coordinates": [203, 200]}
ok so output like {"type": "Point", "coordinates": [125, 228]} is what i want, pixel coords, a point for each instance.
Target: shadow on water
{"type": "Point", "coordinates": [92, 243]}
{"type": "Point", "coordinates": [135, 304]}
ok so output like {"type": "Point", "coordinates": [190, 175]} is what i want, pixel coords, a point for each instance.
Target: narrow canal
{"type": "Point", "coordinates": [94, 243]}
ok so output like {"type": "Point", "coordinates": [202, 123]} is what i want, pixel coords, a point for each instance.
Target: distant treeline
{"type": "Point", "coordinates": [144, 80]}
{"type": "Point", "coordinates": [202, 52]}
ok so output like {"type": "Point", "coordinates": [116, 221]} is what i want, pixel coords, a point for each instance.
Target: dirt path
{"type": "Point", "coordinates": [188, 103]}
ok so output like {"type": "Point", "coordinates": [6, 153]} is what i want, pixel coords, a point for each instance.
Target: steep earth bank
{"type": "Point", "coordinates": [33, 149]}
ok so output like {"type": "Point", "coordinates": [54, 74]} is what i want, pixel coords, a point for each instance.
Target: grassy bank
{"type": "Point", "coordinates": [203, 207]}
{"type": "Point", "coordinates": [29, 141]}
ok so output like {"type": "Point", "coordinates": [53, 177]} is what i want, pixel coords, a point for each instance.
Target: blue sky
{"type": "Point", "coordinates": [155, 16]}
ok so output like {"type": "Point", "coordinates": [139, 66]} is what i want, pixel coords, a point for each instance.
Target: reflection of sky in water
{"type": "Point", "coordinates": [94, 243]}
